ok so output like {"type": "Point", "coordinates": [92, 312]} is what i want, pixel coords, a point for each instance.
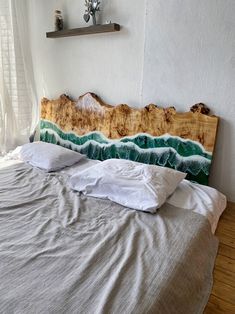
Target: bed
{"type": "Point", "coordinates": [64, 251]}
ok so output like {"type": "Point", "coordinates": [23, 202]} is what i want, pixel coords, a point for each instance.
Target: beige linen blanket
{"type": "Point", "coordinates": [65, 253]}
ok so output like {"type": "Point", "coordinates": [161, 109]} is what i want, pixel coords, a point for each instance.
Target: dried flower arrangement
{"type": "Point", "coordinates": [92, 6]}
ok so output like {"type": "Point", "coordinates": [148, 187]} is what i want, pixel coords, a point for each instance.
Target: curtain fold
{"type": "Point", "coordinates": [21, 9]}
{"type": "Point", "coordinates": [18, 99]}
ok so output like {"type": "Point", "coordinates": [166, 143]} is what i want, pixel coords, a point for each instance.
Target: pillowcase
{"type": "Point", "coordinates": [49, 157]}
{"type": "Point", "coordinates": [200, 199]}
{"type": "Point", "coordinates": [131, 184]}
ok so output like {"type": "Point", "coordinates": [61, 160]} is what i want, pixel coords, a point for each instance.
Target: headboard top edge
{"type": "Point", "coordinates": [198, 108]}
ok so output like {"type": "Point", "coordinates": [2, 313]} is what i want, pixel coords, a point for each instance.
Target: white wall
{"type": "Point", "coordinates": [108, 64]}
{"type": "Point", "coordinates": [176, 52]}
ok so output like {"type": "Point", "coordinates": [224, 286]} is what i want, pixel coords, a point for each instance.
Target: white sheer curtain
{"type": "Point", "coordinates": [18, 100]}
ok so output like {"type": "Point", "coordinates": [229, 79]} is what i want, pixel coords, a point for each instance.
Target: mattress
{"type": "Point", "coordinates": [62, 252]}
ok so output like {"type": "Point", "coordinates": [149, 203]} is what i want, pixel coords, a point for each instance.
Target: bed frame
{"type": "Point", "coordinates": [161, 136]}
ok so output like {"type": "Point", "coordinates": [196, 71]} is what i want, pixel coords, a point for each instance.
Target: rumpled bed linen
{"type": "Point", "coordinates": [65, 253]}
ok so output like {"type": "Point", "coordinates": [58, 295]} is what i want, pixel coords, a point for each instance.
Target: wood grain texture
{"type": "Point", "coordinates": [93, 29]}
{"type": "Point", "coordinates": [222, 299]}
{"type": "Point", "coordinates": [219, 306]}
{"type": "Point", "coordinates": [90, 113]}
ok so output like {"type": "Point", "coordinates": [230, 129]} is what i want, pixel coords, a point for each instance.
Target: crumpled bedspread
{"type": "Point", "coordinates": [65, 253]}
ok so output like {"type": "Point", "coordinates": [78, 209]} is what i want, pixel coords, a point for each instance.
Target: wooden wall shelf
{"type": "Point", "coordinates": [94, 29]}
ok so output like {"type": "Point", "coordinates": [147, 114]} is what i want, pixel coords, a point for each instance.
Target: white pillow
{"type": "Point", "coordinates": [201, 199]}
{"type": "Point", "coordinates": [49, 157]}
{"type": "Point", "coordinates": [131, 184]}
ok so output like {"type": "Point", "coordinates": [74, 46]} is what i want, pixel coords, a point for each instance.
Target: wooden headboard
{"type": "Point", "coordinates": [183, 141]}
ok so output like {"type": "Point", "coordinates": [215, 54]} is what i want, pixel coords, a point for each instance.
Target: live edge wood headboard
{"type": "Point", "coordinates": [183, 141]}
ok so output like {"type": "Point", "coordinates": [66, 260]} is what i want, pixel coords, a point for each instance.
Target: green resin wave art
{"type": "Point", "coordinates": [166, 150]}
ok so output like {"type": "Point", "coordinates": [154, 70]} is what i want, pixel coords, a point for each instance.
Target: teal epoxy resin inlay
{"type": "Point", "coordinates": [168, 151]}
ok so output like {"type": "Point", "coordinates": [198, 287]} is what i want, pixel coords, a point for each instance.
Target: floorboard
{"type": "Point", "coordinates": [222, 299]}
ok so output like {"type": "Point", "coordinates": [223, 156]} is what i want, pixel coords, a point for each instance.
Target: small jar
{"type": "Point", "coordinates": [59, 24]}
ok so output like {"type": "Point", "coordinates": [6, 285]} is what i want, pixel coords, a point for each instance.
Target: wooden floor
{"type": "Point", "coordinates": [222, 299]}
